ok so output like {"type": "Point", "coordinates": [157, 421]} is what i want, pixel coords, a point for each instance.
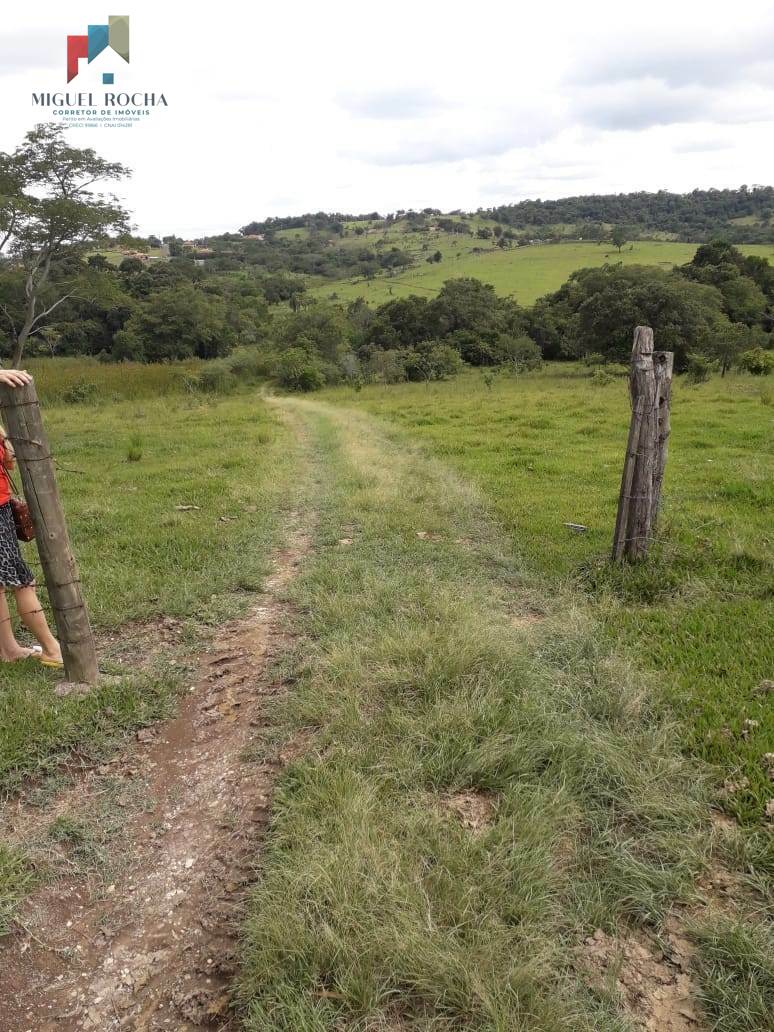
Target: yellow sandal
{"type": "Point", "coordinates": [57, 664]}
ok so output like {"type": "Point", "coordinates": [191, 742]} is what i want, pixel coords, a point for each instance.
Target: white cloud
{"type": "Point", "coordinates": [28, 48]}
{"type": "Point", "coordinates": [289, 108]}
{"type": "Point", "coordinates": [405, 102]}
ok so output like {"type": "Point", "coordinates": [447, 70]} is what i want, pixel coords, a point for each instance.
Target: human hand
{"type": "Point", "coordinates": [15, 377]}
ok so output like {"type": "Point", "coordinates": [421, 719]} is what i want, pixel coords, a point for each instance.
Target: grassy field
{"type": "Point", "coordinates": [489, 776]}
{"type": "Point", "coordinates": [482, 789]}
{"type": "Point", "coordinates": [73, 380]}
{"type": "Point", "coordinates": [525, 273]}
{"type": "Point", "coordinates": [547, 449]}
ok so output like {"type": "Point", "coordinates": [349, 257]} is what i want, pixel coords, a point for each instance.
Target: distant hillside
{"type": "Point", "coordinates": [745, 215]}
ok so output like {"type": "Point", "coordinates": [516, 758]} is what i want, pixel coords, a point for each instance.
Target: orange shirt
{"type": "Point", "coordinates": [5, 484]}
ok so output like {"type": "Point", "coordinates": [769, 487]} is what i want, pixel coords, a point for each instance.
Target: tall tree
{"type": "Point", "coordinates": [619, 236]}
{"type": "Point", "coordinates": [50, 215]}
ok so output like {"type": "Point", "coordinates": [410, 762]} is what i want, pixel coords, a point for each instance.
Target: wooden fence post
{"type": "Point", "coordinates": [24, 426]}
{"type": "Point", "coordinates": [650, 385]}
{"type": "Point", "coordinates": [663, 363]}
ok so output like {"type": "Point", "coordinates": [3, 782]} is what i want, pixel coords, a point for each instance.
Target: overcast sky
{"type": "Point", "coordinates": [354, 107]}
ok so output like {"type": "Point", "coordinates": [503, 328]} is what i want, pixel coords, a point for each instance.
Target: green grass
{"type": "Point", "coordinates": [59, 380]}
{"type": "Point", "coordinates": [17, 876]}
{"type": "Point", "coordinates": [736, 968]}
{"type": "Point", "coordinates": [376, 907]}
{"type": "Point", "coordinates": [139, 554]}
{"type": "Point", "coordinates": [547, 449]}
{"type": "Point", "coordinates": [525, 273]}
{"type": "Point", "coordinates": [415, 679]}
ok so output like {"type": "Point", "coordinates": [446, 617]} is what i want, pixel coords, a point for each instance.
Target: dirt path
{"type": "Point", "coordinates": [154, 950]}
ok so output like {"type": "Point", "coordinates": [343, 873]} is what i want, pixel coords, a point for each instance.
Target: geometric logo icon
{"type": "Point", "coordinates": [114, 35]}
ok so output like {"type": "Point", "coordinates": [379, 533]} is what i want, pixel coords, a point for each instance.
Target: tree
{"type": "Point", "coordinates": [401, 323]}
{"type": "Point", "coordinates": [432, 360]}
{"type": "Point", "coordinates": [324, 329]}
{"type": "Point", "coordinates": [469, 304]}
{"type": "Point", "coordinates": [180, 322]}
{"type": "Point", "coordinates": [596, 310]}
{"type": "Point", "coordinates": [298, 370]}
{"type": "Point", "coordinates": [730, 340]}
{"type": "Point", "coordinates": [49, 215]}
{"type": "Point", "coordinates": [99, 262]}
{"type": "Point", "coordinates": [130, 266]}
{"type": "Point", "coordinates": [619, 236]}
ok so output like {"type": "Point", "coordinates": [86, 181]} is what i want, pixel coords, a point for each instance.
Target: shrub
{"type": "Point", "coordinates": [297, 370]}
{"type": "Point", "coordinates": [386, 367]}
{"type": "Point", "coordinates": [444, 361]}
{"type": "Point", "coordinates": [594, 360]}
{"type": "Point", "coordinates": [524, 354]}
{"type": "Point", "coordinates": [757, 361]}
{"type": "Point", "coordinates": [82, 392]}
{"type": "Point", "coordinates": [134, 451]}
{"type": "Point", "coordinates": [697, 369]}
{"type": "Point", "coordinates": [251, 365]}
{"type": "Point", "coordinates": [601, 378]}
{"type": "Point", "coordinates": [432, 360]}
{"type": "Point", "coordinates": [217, 378]}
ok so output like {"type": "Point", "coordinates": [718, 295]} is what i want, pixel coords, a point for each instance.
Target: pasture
{"type": "Point", "coordinates": [547, 448]}
{"type": "Point", "coordinates": [524, 273]}
{"type": "Point", "coordinates": [498, 745]}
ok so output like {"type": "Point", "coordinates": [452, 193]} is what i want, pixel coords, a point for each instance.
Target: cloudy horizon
{"type": "Point", "coordinates": [280, 112]}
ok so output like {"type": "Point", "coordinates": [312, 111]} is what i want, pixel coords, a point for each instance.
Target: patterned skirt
{"type": "Point", "coordinates": [14, 572]}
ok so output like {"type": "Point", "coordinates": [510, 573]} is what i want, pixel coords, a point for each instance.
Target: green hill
{"type": "Point", "coordinates": [526, 273]}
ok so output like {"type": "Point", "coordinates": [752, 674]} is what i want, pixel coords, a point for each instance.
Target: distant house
{"type": "Point", "coordinates": [253, 236]}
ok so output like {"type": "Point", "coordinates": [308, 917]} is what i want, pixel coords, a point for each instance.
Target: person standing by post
{"type": "Point", "coordinates": [15, 574]}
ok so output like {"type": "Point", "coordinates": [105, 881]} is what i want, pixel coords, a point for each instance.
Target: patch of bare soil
{"type": "Point", "coordinates": [156, 948]}
{"type": "Point", "coordinates": [473, 809]}
{"type": "Point", "coordinates": [652, 979]}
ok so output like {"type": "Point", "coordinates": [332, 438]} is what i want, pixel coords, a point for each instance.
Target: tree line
{"type": "Point", "coordinates": [59, 294]}
{"type": "Point", "coordinates": [694, 216]}
{"type": "Point", "coordinates": [716, 311]}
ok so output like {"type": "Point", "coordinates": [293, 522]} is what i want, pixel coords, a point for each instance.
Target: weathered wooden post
{"type": "Point", "coordinates": [24, 426]}
{"type": "Point", "coordinates": [663, 363]}
{"type": "Point", "coordinates": [650, 384]}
